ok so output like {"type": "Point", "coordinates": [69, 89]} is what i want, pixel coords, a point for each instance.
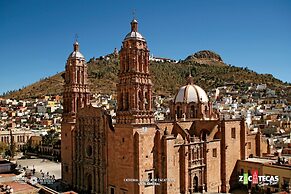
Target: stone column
{"type": "Point", "coordinates": [243, 139]}
{"type": "Point", "coordinates": [150, 98]}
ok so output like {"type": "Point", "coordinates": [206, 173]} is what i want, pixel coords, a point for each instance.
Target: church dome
{"type": "Point", "coordinates": [134, 34]}
{"type": "Point", "coordinates": [76, 53]}
{"type": "Point", "coordinates": [191, 93]}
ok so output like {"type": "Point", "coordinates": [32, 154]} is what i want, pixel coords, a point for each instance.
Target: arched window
{"type": "Point", "coordinates": [146, 101]}
{"type": "Point", "coordinates": [127, 64]}
{"type": "Point", "coordinates": [203, 134]}
{"type": "Point", "coordinates": [192, 111]}
{"type": "Point", "coordinates": [140, 62]}
{"type": "Point", "coordinates": [140, 100]}
{"type": "Point", "coordinates": [120, 105]}
{"type": "Point", "coordinates": [179, 112]}
{"type": "Point", "coordinates": [77, 104]}
{"type": "Point", "coordinates": [217, 135]}
{"type": "Point", "coordinates": [126, 102]}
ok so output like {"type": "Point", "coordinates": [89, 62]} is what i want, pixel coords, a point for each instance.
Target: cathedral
{"type": "Point", "coordinates": [195, 150]}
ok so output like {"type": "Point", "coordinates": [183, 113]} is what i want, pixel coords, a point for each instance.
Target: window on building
{"type": "Point", "coordinates": [233, 133]}
{"type": "Point", "coordinates": [214, 152]}
{"type": "Point", "coordinates": [150, 176]}
{"type": "Point", "coordinates": [285, 184]}
{"type": "Point", "coordinates": [249, 145]}
{"type": "Point", "coordinates": [192, 111]}
{"type": "Point", "coordinates": [111, 190]}
{"type": "Point", "coordinates": [89, 150]}
{"type": "Point", "coordinates": [179, 112]}
{"type": "Point", "coordinates": [125, 101]}
{"type": "Point", "coordinates": [120, 105]}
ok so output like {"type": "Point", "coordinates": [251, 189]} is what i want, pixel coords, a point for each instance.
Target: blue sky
{"type": "Point", "coordinates": [37, 36]}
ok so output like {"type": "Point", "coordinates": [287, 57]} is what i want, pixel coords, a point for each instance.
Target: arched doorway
{"type": "Point", "coordinates": [89, 183]}
{"type": "Point", "coordinates": [196, 183]}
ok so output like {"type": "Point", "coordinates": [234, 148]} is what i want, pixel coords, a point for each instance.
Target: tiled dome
{"type": "Point", "coordinates": [191, 93]}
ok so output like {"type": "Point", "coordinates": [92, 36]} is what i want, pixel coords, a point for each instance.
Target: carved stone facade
{"type": "Point", "coordinates": [186, 154]}
{"type": "Point", "coordinates": [90, 159]}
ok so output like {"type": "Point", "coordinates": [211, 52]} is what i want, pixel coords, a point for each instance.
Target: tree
{"type": "Point", "coordinates": [12, 146]}
{"type": "Point", "coordinates": [3, 147]}
{"type": "Point", "coordinates": [51, 138]}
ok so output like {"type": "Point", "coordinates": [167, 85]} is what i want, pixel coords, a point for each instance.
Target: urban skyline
{"type": "Point", "coordinates": [36, 36]}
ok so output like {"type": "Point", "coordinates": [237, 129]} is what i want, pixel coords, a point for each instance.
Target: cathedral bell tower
{"type": "Point", "coordinates": [76, 91]}
{"type": "Point", "coordinates": [134, 90]}
{"type": "Point", "coordinates": [76, 95]}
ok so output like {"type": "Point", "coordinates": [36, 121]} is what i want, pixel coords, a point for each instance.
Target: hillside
{"type": "Point", "coordinates": [208, 72]}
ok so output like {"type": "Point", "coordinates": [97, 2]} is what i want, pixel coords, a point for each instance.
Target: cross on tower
{"type": "Point", "coordinates": [76, 37]}
{"type": "Point", "coordinates": [133, 14]}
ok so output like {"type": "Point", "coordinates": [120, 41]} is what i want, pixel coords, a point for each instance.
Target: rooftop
{"type": "Point", "coordinates": [260, 160]}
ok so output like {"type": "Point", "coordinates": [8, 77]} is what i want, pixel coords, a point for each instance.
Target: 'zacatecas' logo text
{"type": "Point", "coordinates": [260, 180]}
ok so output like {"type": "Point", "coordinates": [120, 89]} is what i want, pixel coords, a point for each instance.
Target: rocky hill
{"type": "Point", "coordinates": [206, 67]}
{"type": "Point", "coordinates": [206, 57]}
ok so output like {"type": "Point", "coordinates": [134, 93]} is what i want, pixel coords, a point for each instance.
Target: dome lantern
{"type": "Point", "coordinates": [190, 80]}
{"type": "Point", "coordinates": [76, 46]}
{"type": "Point", "coordinates": [134, 34]}
{"type": "Point", "coordinates": [76, 54]}
{"type": "Point", "coordinates": [134, 24]}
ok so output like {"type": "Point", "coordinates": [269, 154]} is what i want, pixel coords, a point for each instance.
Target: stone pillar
{"type": "Point", "coordinates": [243, 139]}
{"type": "Point", "coordinates": [223, 162]}
{"type": "Point", "coordinates": [150, 98]}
